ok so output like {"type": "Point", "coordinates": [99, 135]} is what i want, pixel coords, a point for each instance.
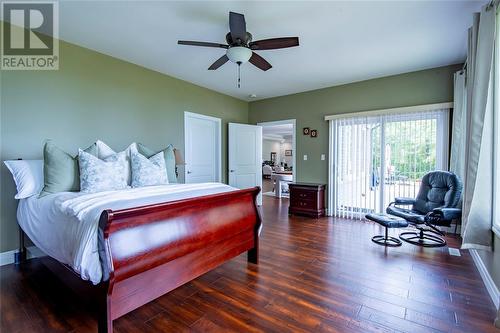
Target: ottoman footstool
{"type": "Point", "coordinates": [388, 221]}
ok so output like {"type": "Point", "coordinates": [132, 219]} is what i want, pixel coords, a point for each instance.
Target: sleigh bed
{"type": "Point", "coordinates": [149, 250]}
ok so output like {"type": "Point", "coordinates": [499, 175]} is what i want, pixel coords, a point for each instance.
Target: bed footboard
{"type": "Point", "coordinates": [154, 249]}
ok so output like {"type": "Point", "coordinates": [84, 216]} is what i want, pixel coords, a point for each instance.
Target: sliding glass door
{"type": "Point", "coordinates": [378, 158]}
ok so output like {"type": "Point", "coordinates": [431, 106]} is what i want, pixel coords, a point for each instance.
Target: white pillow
{"type": "Point", "coordinates": [104, 152]}
{"type": "Point", "coordinates": [148, 171]}
{"type": "Point", "coordinates": [28, 176]}
{"type": "Point", "coordinates": [98, 175]}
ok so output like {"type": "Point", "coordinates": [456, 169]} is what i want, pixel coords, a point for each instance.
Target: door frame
{"type": "Point", "coordinates": [294, 139]}
{"type": "Point", "coordinates": [218, 124]}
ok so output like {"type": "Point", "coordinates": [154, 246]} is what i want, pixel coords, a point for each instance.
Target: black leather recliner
{"type": "Point", "coordinates": [436, 205]}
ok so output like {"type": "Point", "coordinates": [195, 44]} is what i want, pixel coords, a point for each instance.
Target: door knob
{"type": "Point", "coordinates": [189, 172]}
{"type": "Point", "coordinates": [231, 170]}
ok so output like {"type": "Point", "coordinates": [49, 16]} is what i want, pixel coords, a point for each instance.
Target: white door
{"type": "Point", "coordinates": [202, 139]}
{"type": "Point", "coordinates": [245, 156]}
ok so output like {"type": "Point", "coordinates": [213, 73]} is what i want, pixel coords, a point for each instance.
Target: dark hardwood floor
{"type": "Point", "coordinates": [320, 275]}
{"type": "Point", "coordinates": [267, 185]}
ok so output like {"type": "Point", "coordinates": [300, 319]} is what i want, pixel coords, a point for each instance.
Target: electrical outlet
{"type": "Point", "coordinates": [322, 157]}
{"type": "Point", "coordinates": [305, 157]}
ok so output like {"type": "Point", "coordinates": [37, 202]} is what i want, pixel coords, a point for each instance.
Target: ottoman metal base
{"type": "Point", "coordinates": [386, 241]}
{"type": "Point", "coordinates": [387, 221]}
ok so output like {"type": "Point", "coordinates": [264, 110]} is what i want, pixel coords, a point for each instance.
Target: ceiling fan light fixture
{"type": "Point", "coordinates": [239, 54]}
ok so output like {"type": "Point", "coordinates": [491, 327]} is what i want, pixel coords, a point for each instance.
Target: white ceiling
{"type": "Point", "coordinates": [277, 132]}
{"type": "Point", "coordinates": [340, 41]}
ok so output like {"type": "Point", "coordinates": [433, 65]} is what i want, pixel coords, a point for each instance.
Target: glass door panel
{"type": "Point", "coordinates": [383, 157]}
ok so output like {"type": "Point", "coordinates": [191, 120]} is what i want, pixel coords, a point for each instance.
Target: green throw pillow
{"type": "Point", "coordinates": [60, 169]}
{"type": "Point", "coordinates": [168, 153]}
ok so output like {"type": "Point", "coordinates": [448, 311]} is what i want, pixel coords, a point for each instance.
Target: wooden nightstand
{"type": "Point", "coordinates": [307, 199]}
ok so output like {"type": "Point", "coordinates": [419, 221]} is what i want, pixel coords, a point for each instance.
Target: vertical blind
{"type": "Point", "coordinates": [378, 158]}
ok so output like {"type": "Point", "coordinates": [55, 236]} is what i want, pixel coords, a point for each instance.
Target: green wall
{"type": "Point", "coordinates": [93, 96]}
{"type": "Point", "coordinates": [310, 108]}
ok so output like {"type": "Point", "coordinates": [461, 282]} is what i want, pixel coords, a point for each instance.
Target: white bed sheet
{"type": "Point", "coordinates": [65, 225]}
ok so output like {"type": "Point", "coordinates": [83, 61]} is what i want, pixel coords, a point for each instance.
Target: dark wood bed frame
{"type": "Point", "coordinates": [151, 250]}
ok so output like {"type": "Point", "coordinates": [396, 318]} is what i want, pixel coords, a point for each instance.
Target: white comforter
{"type": "Point", "coordinates": [64, 225]}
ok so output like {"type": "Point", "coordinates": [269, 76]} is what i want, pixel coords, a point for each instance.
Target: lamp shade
{"type": "Point", "coordinates": [239, 54]}
{"type": "Point", "coordinates": [178, 157]}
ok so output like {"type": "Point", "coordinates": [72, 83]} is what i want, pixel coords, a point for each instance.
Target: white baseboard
{"type": "Point", "coordinates": [7, 257]}
{"type": "Point", "coordinates": [485, 275]}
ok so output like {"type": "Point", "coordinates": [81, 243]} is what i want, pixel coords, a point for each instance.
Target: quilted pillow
{"type": "Point", "coordinates": [148, 171]}
{"type": "Point", "coordinates": [98, 175]}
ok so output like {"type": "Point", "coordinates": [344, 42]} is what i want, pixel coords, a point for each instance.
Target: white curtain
{"type": "Point", "coordinates": [478, 153]}
{"type": "Point", "coordinates": [458, 133]}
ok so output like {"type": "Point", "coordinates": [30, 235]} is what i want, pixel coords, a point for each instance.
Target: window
{"type": "Point", "coordinates": [379, 157]}
{"type": "Point", "coordinates": [496, 131]}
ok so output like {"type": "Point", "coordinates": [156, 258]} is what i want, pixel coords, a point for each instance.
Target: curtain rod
{"type": "Point", "coordinates": [493, 3]}
{"type": "Point", "coordinates": [399, 110]}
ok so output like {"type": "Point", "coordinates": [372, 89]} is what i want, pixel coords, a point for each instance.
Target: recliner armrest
{"type": "Point", "coordinates": [448, 213]}
{"type": "Point", "coordinates": [404, 201]}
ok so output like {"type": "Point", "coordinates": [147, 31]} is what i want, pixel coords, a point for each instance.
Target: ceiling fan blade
{"type": "Point", "coordinates": [207, 44]}
{"type": "Point", "coordinates": [237, 26]}
{"type": "Point", "coordinates": [274, 43]}
{"type": "Point", "coordinates": [219, 62]}
{"type": "Point", "coordinates": [259, 62]}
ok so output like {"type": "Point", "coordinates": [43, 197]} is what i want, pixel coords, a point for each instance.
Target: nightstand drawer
{"type": "Point", "coordinates": [303, 204]}
{"type": "Point", "coordinates": [304, 194]}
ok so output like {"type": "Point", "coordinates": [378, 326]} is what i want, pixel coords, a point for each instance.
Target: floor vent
{"type": "Point", "coordinates": [454, 252]}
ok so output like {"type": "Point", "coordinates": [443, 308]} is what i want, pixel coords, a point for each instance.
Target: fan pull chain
{"type": "Point", "coordinates": [239, 74]}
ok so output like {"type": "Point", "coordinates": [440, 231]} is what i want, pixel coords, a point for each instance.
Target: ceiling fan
{"type": "Point", "coordinates": [240, 47]}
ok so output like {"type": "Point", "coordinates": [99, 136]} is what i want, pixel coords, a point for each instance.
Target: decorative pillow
{"type": "Point", "coordinates": [104, 152]}
{"type": "Point", "coordinates": [60, 169]}
{"type": "Point", "coordinates": [148, 172]}
{"type": "Point", "coordinates": [168, 153]}
{"type": "Point", "coordinates": [28, 176]}
{"type": "Point", "coordinates": [98, 175]}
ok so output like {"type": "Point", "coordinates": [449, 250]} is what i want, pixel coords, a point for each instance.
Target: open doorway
{"type": "Point", "coordinates": [278, 157]}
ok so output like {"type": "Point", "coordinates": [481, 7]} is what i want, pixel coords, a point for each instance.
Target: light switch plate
{"type": "Point", "coordinates": [305, 157]}
{"type": "Point", "coordinates": [322, 157]}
